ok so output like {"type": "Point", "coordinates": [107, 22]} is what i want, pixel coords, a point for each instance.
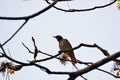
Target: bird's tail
{"type": "Point", "coordinates": [72, 57]}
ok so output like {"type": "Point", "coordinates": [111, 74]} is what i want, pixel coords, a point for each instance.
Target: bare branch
{"type": "Point", "coordinates": [108, 73]}
{"type": "Point", "coordinates": [36, 49]}
{"type": "Point", "coordinates": [26, 19]}
{"type": "Point", "coordinates": [2, 49]}
{"type": "Point", "coordinates": [31, 16]}
{"type": "Point", "coordinates": [49, 71]}
{"type": "Point", "coordinates": [83, 10]}
{"type": "Point", "coordinates": [1, 55]}
{"type": "Point", "coordinates": [27, 48]}
{"type": "Point", "coordinates": [105, 52]}
{"type": "Point", "coordinates": [15, 33]}
{"type": "Point", "coordinates": [51, 56]}
{"type": "Point", "coordinates": [6, 56]}
{"type": "Point", "coordinates": [90, 63]}
{"type": "Point", "coordinates": [94, 66]}
{"type": "Point", "coordinates": [86, 63]}
{"type": "Point", "coordinates": [31, 64]}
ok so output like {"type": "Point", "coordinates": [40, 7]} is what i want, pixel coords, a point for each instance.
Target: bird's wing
{"type": "Point", "coordinates": [65, 45]}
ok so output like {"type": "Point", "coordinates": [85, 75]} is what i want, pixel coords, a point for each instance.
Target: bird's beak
{"type": "Point", "coordinates": [54, 36]}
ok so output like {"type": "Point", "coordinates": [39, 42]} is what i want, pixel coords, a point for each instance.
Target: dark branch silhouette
{"type": "Point", "coordinates": [26, 18]}
{"type": "Point", "coordinates": [94, 66]}
{"type": "Point", "coordinates": [15, 33]}
{"type": "Point", "coordinates": [30, 16]}
{"type": "Point", "coordinates": [83, 10]}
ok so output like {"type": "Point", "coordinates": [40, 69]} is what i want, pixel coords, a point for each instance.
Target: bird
{"type": "Point", "coordinates": [65, 45]}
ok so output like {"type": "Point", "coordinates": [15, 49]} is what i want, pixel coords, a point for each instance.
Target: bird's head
{"type": "Point", "coordinates": [58, 37]}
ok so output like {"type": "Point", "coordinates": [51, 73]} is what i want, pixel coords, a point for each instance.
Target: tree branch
{"type": "Point", "coordinates": [94, 66]}
{"type": "Point", "coordinates": [30, 16]}
{"type": "Point", "coordinates": [108, 73]}
{"type": "Point", "coordinates": [26, 19]}
{"type": "Point", "coordinates": [4, 54]}
{"type": "Point", "coordinates": [83, 10]}
{"type": "Point", "coordinates": [49, 71]}
{"type": "Point", "coordinates": [105, 52]}
{"type": "Point", "coordinates": [15, 33]}
{"type": "Point", "coordinates": [45, 59]}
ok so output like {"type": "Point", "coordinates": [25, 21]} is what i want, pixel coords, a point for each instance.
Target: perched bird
{"type": "Point", "coordinates": [64, 45]}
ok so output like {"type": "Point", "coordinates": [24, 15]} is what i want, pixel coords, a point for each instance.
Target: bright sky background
{"type": "Point", "coordinates": [100, 26]}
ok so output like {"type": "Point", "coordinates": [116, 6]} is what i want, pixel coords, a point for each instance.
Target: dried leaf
{"type": "Point", "coordinates": [11, 71]}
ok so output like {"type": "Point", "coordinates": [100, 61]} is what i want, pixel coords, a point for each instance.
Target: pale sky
{"type": "Point", "coordinates": [100, 26]}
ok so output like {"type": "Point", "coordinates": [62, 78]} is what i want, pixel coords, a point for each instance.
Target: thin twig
{"type": "Point", "coordinates": [80, 75]}
{"type": "Point", "coordinates": [4, 53]}
{"type": "Point", "coordinates": [35, 50]}
{"type": "Point", "coordinates": [86, 63]}
{"type": "Point", "coordinates": [108, 73]}
{"type": "Point", "coordinates": [6, 56]}
{"type": "Point", "coordinates": [48, 58]}
{"type": "Point", "coordinates": [27, 48]}
{"type": "Point", "coordinates": [15, 32]}
{"type": "Point", "coordinates": [51, 56]}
